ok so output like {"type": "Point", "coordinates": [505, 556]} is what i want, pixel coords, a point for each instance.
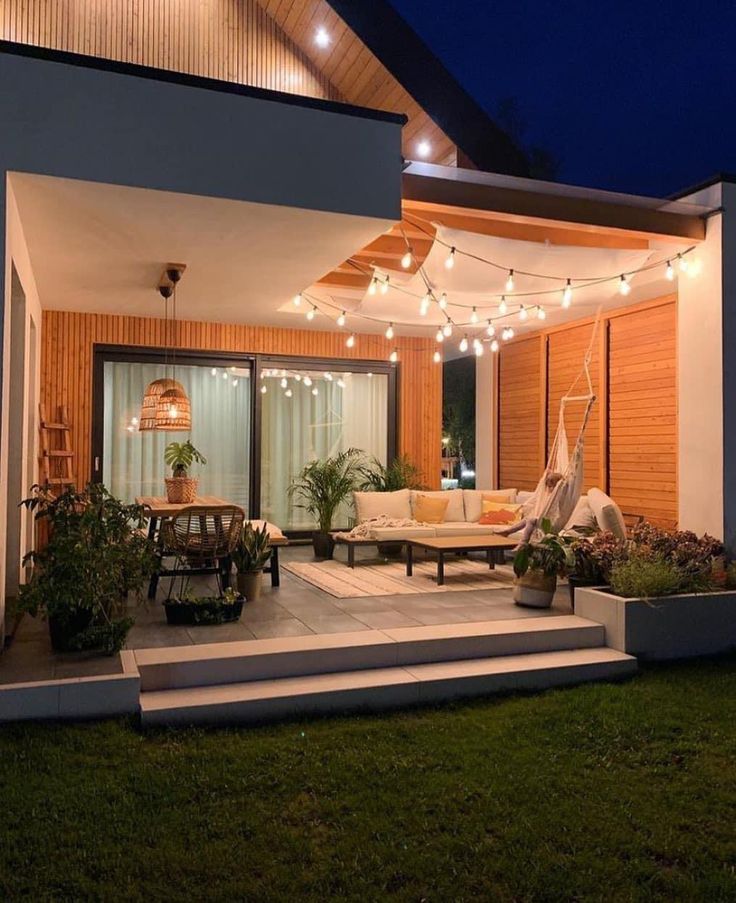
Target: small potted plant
{"type": "Point", "coordinates": [180, 487]}
{"type": "Point", "coordinates": [250, 557]}
{"type": "Point", "coordinates": [537, 565]}
{"type": "Point", "coordinates": [322, 486]}
{"type": "Point", "coordinates": [186, 609]}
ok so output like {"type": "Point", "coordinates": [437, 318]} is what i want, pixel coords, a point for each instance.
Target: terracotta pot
{"type": "Point", "coordinates": [323, 544]}
{"type": "Point", "coordinates": [181, 490]}
{"type": "Point", "coordinates": [249, 585]}
{"type": "Point", "coordinates": [534, 590]}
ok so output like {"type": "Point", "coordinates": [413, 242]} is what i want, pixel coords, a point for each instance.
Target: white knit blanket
{"type": "Point", "coordinates": [365, 529]}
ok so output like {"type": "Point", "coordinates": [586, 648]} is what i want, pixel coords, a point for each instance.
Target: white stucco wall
{"type": "Point", "coordinates": [485, 418]}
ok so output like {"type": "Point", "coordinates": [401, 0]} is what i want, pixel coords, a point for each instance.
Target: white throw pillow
{"type": "Point", "coordinates": [582, 516]}
{"type": "Point", "coordinates": [473, 501]}
{"type": "Point", "coordinates": [455, 510]}
{"type": "Point", "coordinates": [607, 513]}
{"type": "Point", "coordinates": [523, 496]}
{"type": "Point", "coordinates": [377, 504]}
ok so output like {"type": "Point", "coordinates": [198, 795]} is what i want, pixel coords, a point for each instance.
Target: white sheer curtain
{"type": "Point", "coordinates": [349, 411]}
{"type": "Point", "coordinates": [133, 461]}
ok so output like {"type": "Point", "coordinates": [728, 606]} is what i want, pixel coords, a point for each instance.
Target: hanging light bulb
{"type": "Point", "coordinates": [503, 307]}
{"type": "Point", "coordinates": [541, 313]}
{"type": "Point", "coordinates": [224, 376]}
{"type": "Point", "coordinates": [389, 331]}
{"type": "Point", "coordinates": [424, 306]}
{"type": "Point", "coordinates": [341, 383]}
{"type": "Point", "coordinates": [341, 319]}
{"type": "Point", "coordinates": [510, 281]}
{"type": "Point", "coordinates": [288, 393]}
{"type": "Point", "coordinates": [394, 356]}
{"type": "Point", "coordinates": [682, 263]}
{"type": "Point", "coordinates": [450, 261]}
{"type": "Point", "coordinates": [523, 313]}
{"type": "Point", "coordinates": [443, 301]}
{"type": "Point", "coordinates": [623, 285]}
{"type": "Point", "coordinates": [439, 336]}
{"type": "Point", "coordinates": [328, 377]}
{"type": "Point", "coordinates": [307, 381]}
{"type": "Point", "coordinates": [373, 287]}
{"type": "Point", "coordinates": [478, 348]}
{"type": "Point", "coordinates": [567, 295]}
{"type": "Point", "coordinates": [669, 271]}
{"type": "Point", "coordinates": [384, 285]}
{"type": "Point", "coordinates": [447, 329]}
{"type": "Point", "coordinates": [297, 299]}
{"type": "Point", "coordinates": [315, 391]}
{"type": "Point", "coordinates": [284, 383]}
{"type": "Point", "coordinates": [494, 345]}
{"type": "Point", "coordinates": [437, 357]}
{"type": "Point", "coordinates": [350, 341]}
{"type": "Point", "coordinates": [235, 381]}
{"type": "Point", "coordinates": [463, 344]}
{"type": "Point", "coordinates": [298, 377]}
{"type": "Point", "coordinates": [213, 371]}
{"type": "Point", "coordinates": [311, 313]}
{"type": "Point", "coordinates": [474, 316]}
{"type": "Point", "coordinates": [491, 330]}
{"type": "Point", "coordinates": [406, 259]}
{"type": "Point", "coordinates": [510, 332]}
{"type": "Point", "coordinates": [264, 389]}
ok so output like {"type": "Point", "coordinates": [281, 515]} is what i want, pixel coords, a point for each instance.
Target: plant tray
{"type": "Point", "coordinates": [210, 610]}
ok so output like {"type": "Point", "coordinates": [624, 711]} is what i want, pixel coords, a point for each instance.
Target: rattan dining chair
{"type": "Point", "coordinates": [200, 539]}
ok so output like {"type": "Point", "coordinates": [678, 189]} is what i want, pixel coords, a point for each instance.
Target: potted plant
{"type": "Point", "coordinates": [322, 486]}
{"type": "Point", "coordinates": [94, 556]}
{"type": "Point", "coordinates": [537, 565]}
{"type": "Point", "coordinates": [180, 487]}
{"type": "Point", "coordinates": [401, 473]}
{"type": "Point", "coordinates": [250, 556]}
{"type": "Point", "coordinates": [186, 609]}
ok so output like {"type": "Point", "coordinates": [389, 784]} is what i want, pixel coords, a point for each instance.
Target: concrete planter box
{"type": "Point", "coordinates": [665, 628]}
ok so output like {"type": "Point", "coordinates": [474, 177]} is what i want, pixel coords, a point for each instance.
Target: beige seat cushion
{"type": "Point", "coordinates": [375, 504]}
{"type": "Point", "coordinates": [465, 529]}
{"type": "Point", "coordinates": [582, 516]}
{"type": "Point", "coordinates": [473, 500]}
{"type": "Point", "coordinates": [607, 513]}
{"type": "Point", "coordinates": [396, 533]}
{"type": "Point", "coordinates": [455, 510]}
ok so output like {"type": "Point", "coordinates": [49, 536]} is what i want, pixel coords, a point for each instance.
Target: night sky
{"type": "Point", "coordinates": [631, 95]}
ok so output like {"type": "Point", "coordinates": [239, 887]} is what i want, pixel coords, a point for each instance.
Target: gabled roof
{"type": "Point", "coordinates": [389, 37]}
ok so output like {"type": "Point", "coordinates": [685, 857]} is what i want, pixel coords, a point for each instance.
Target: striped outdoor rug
{"type": "Point", "coordinates": [389, 578]}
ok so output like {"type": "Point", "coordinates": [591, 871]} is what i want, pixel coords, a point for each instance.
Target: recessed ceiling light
{"type": "Point", "coordinates": [321, 38]}
{"type": "Point", "coordinates": [424, 148]}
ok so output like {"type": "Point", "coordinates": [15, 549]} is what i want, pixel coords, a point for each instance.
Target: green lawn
{"type": "Point", "coordinates": [603, 792]}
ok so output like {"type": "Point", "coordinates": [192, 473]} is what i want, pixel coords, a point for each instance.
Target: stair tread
{"type": "Point", "coordinates": [364, 638]}
{"type": "Point", "coordinates": [295, 687]}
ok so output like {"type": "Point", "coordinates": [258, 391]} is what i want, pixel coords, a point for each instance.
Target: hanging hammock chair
{"type": "Point", "coordinates": [560, 486]}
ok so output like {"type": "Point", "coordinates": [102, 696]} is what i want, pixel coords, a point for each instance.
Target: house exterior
{"type": "Point", "coordinates": [279, 148]}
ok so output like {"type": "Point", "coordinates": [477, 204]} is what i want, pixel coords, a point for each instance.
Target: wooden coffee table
{"type": "Point", "coordinates": [493, 546]}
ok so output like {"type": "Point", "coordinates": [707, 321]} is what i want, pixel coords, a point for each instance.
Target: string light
{"type": "Point", "coordinates": [503, 307]}
{"type": "Point", "coordinates": [407, 258]}
{"type": "Point", "coordinates": [447, 329]}
{"type": "Point", "coordinates": [224, 376]}
{"type": "Point", "coordinates": [315, 391]}
{"type": "Point", "coordinates": [297, 299]}
{"type": "Point", "coordinates": [341, 383]}
{"type": "Point", "coordinates": [478, 348]}
{"type": "Point", "coordinates": [307, 381]}
{"type": "Point", "coordinates": [394, 356]}
{"type": "Point", "coordinates": [510, 281]}
{"type": "Point", "coordinates": [373, 287]}
{"type": "Point", "coordinates": [437, 357]}
{"type": "Point", "coordinates": [443, 301]}
{"type": "Point", "coordinates": [439, 336]}
{"type": "Point", "coordinates": [298, 377]}
{"type": "Point", "coordinates": [463, 344]}
{"type": "Point", "coordinates": [450, 261]}
{"type": "Point", "coordinates": [328, 377]}
{"type": "Point", "coordinates": [288, 393]}
{"type": "Point", "coordinates": [491, 330]}
{"type": "Point", "coordinates": [669, 272]}
{"type": "Point", "coordinates": [384, 285]}
{"type": "Point", "coordinates": [474, 316]}
{"type": "Point", "coordinates": [350, 341]}
{"type": "Point", "coordinates": [284, 383]}
{"type": "Point", "coordinates": [567, 295]}
{"type": "Point", "coordinates": [312, 313]}
{"type": "Point", "coordinates": [541, 313]}
{"type": "Point", "coordinates": [494, 345]}
{"type": "Point", "coordinates": [321, 38]}
{"type": "Point", "coordinates": [623, 285]}
{"type": "Point", "coordinates": [341, 319]}
{"type": "Point", "coordinates": [390, 331]}
{"type": "Point", "coordinates": [264, 389]}
{"type": "Point", "coordinates": [213, 371]}
{"type": "Point", "coordinates": [424, 306]}
{"type": "Point", "coordinates": [235, 382]}
{"type": "Point", "coordinates": [682, 263]}
{"type": "Point", "coordinates": [523, 315]}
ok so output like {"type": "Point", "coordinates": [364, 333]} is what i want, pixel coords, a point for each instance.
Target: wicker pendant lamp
{"type": "Point", "coordinates": [166, 405]}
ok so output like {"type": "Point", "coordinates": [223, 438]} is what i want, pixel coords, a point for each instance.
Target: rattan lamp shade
{"type": "Point", "coordinates": [150, 401]}
{"type": "Point", "coordinates": [173, 410]}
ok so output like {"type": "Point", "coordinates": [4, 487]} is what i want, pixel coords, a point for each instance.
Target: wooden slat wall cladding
{"type": "Point", "coordinates": [631, 440]}
{"type": "Point", "coordinates": [262, 43]}
{"type": "Point", "coordinates": [566, 350]}
{"type": "Point", "coordinates": [66, 370]}
{"type": "Point", "coordinates": [521, 414]}
{"type": "Point", "coordinates": [642, 411]}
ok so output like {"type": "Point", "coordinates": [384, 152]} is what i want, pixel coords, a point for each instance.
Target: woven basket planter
{"type": "Point", "coordinates": [181, 490]}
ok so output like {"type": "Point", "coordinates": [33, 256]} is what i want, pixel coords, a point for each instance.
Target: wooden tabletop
{"type": "Point", "coordinates": [160, 506]}
{"type": "Point", "coordinates": [464, 543]}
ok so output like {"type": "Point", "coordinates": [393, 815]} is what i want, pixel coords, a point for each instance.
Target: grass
{"type": "Point", "coordinates": [602, 792]}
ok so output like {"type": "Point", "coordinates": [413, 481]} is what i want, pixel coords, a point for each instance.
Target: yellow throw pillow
{"type": "Point", "coordinates": [489, 505]}
{"type": "Point", "coordinates": [429, 510]}
{"type": "Point", "coordinates": [499, 495]}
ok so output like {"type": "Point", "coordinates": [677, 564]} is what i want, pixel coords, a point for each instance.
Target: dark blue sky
{"type": "Point", "coordinates": [632, 96]}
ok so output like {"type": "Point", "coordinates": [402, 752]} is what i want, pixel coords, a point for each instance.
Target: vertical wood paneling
{"type": "Point", "coordinates": [66, 376]}
{"type": "Point", "coordinates": [642, 397]}
{"type": "Point", "coordinates": [521, 414]}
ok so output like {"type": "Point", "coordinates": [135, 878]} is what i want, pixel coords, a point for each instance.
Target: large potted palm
{"type": "Point", "coordinates": [321, 488]}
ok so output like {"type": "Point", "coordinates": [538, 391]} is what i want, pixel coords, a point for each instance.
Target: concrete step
{"type": "Point", "coordinates": [380, 688]}
{"type": "Point", "coordinates": [223, 663]}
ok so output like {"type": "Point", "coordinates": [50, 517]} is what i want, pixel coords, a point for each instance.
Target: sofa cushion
{"type": "Point", "coordinates": [429, 510]}
{"type": "Point", "coordinates": [582, 516]}
{"type": "Point", "coordinates": [523, 496]}
{"type": "Point", "coordinates": [473, 498]}
{"type": "Point", "coordinates": [464, 529]}
{"type": "Point", "coordinates": [455, 510]}
{"type": "Point", "coordinates": [607, 513]}
{"type": "Point", "coordinates": [396, 533]}
{"type": "Point", "coordinates": [375, 504]}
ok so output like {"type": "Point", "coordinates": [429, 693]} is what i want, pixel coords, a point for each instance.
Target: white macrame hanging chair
{"type": "Point", "coordinates": [557, 502]}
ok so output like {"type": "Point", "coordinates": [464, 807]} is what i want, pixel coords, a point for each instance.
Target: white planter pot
{"type": "Point", "coordinates": [666, 628]}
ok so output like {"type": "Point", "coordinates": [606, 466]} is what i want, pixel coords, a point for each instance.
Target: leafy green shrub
{"type": "Point", "coordinates": [645, 578]}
